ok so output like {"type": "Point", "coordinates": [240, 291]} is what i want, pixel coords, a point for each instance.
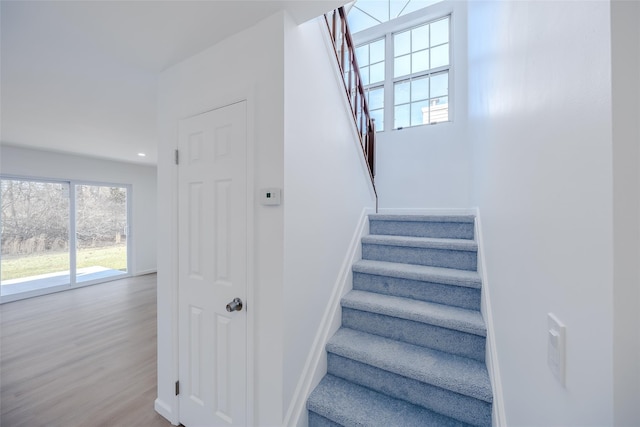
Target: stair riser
{"type": "Point", "coordinates": [316, 420]}
{"type": "Point", "coordinates": [459, 407]}
{"type": "Point", "coordinates": [443, 230]}
{"type": "Point", "coordinates": [457, 296]}
{"type": "Point", "coordinates": [425, 335]}
{"type": "Point", "coordinates": [462, 260]}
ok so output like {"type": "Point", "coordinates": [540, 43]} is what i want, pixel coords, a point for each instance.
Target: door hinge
{"type": "Point", "coordinates": [177, 388]}
{"type": "Point", "coordinates": [177, 157]}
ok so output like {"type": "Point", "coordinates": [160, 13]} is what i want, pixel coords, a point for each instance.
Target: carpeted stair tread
{"type": "Point", "coordinates": [458, 374]}
{"type": "Point", "coordinates": [459, 319]}
{"type": "Point", "coordinates": [347, 404]}
{"type": "Point", "coordinates": [421, 242]}
{"type": "Point", "coordinates": [434, 226]}
{"type": "Point", "coordinates": [423, 218]}
{"type": "Point", "coordinates": [446, 276]}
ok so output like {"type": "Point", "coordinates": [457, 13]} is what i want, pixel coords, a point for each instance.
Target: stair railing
{"type": "Point", "coordinates": [346, 56]}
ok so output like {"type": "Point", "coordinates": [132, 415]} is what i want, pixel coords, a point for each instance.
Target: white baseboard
{"type": "Point", "coordinates": [427, 211]}
{"type": "Point", "coordinates": [164, 410]}
{"type": "Point", "coordinates": [316, 364]}
{"type": "Point", "coordinates": [499, 416]}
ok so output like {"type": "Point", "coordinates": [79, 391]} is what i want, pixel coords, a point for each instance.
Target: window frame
{"type": "Point", "coordinates": [387, 30]}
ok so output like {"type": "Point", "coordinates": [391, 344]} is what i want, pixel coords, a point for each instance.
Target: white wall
{"type": "Point", "coordinates": [540, 125]}
{"type": "Point", "coordinates": [327, 187]}
{"type": "Point", "coordinates": [248, 65]}
{"type": "Point", "coordinates": [625, 46]}
{"type": "Point", "coordinates": [430, 166]}
{"type": "Point", "coordinates": [33, 163]}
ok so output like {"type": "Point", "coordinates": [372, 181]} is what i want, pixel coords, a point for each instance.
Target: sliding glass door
{"type": "Point", "coordinates": [56, 235]}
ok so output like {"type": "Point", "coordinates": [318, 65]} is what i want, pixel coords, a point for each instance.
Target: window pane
{"type": "Point", "coordinates": [376, 98]}
{"type": "Point", "coordinates": [420, 61]}
{"type": "Point", "coordinates": [402, 43]}
{"type": "Point", "coordinates": [376, 73]}
{"type": "Point", "coordinates": [413, 5]}
{"type": "Point", "coordinates": [101, 230]}
{"type": "Point", "coordinates": [440, 32]}
{"type": "Point", "coordinates": [359, 20]}
{"type": "Point", "coordinates": [364, 73]}
{"type": "Point", "coordinates": [440, 110]}
{"type": "Point", "coordinates": [395, 7]}
{"type": "Point", "coordinates": [439, 101]}
{"type": "Point", "coordinates": [402, 92]}
{"type": "Point", "coordinates": [362, 55]}
{"type": "Point", "coordinates": [419, 113]}
{"type": "Point", "coordinates": [439, 85]}
{"type": "Point", "coordinates": [379, 10]}
{"type": "Point", "coordinates": [401, 114]}
{"type": "Point", "coordinates": [35, 235]}
{"type": "Point", "coordinates": [402, 66]}
{"type": "Point", "coordinates": [420, 89]}
{"type": "Point", "coordinates": [377, 51]}
{"type": "Point", "coordinates": [378, 116]}
{"type": "Point", "coordinates": [420, 38]}
{"type": "Point", "coordinates": [440, 56]}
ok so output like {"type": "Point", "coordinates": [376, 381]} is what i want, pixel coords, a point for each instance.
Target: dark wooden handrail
{"type": "Point", "coordinates": [346, 56]}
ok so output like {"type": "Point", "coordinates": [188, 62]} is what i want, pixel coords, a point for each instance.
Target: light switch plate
{"type": "Point", "coordinates": [556, 348]}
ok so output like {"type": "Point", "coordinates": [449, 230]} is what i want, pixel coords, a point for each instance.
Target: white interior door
{"type": "Point", "coordinates": [212, 229]}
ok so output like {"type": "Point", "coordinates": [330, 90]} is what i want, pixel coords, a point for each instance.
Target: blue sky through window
{"type": "Point", "coordinates": [365, 14]}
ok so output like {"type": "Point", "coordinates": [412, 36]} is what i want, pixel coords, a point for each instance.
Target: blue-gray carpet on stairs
{"type": "Point", "coordinates": [411, 348]}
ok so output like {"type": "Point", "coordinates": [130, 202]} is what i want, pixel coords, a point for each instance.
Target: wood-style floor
{"type": "Point", "coordinates": [85, 357]}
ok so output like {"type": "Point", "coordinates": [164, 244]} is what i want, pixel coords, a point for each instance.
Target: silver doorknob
{"type": "Point", "coordinates": [235, 305]}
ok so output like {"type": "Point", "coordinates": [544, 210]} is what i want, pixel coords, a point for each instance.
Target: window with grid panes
{"type": "Point", "coordinates": [421, 74]}
{"type": "Point", "coordinates": [416, 85]}
{"type": "Point", "coordinates": [371, 61]}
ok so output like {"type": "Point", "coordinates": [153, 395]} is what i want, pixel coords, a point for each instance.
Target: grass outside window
{"type": "Point", "coordinates": [23, 266]}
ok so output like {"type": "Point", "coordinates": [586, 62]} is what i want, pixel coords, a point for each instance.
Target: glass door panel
{"type": "Point", "coordinates": [35, 235]}
{"type": "Point", "coordinates": [101, 232]}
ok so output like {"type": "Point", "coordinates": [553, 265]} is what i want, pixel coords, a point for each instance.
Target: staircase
{"type": "Point", "coordinates": [411, 349]}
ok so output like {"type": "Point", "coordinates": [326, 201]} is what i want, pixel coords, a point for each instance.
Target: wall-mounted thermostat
{"type": "Point", "coordinates": [270, 196]}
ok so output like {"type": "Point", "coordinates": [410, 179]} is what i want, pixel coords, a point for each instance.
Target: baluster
{"type": "Point", "coordinates": [345, 55]}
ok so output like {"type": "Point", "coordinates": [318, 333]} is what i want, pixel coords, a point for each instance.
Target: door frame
{"type": "Point", "coordinates": [250, 257]}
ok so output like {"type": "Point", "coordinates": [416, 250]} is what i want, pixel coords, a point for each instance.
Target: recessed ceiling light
{"type": "Point", "coordinates": [142, 155]}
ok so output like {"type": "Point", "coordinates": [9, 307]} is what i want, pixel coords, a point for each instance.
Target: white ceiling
{"type": "Point", "coordinates": [80, 76]}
